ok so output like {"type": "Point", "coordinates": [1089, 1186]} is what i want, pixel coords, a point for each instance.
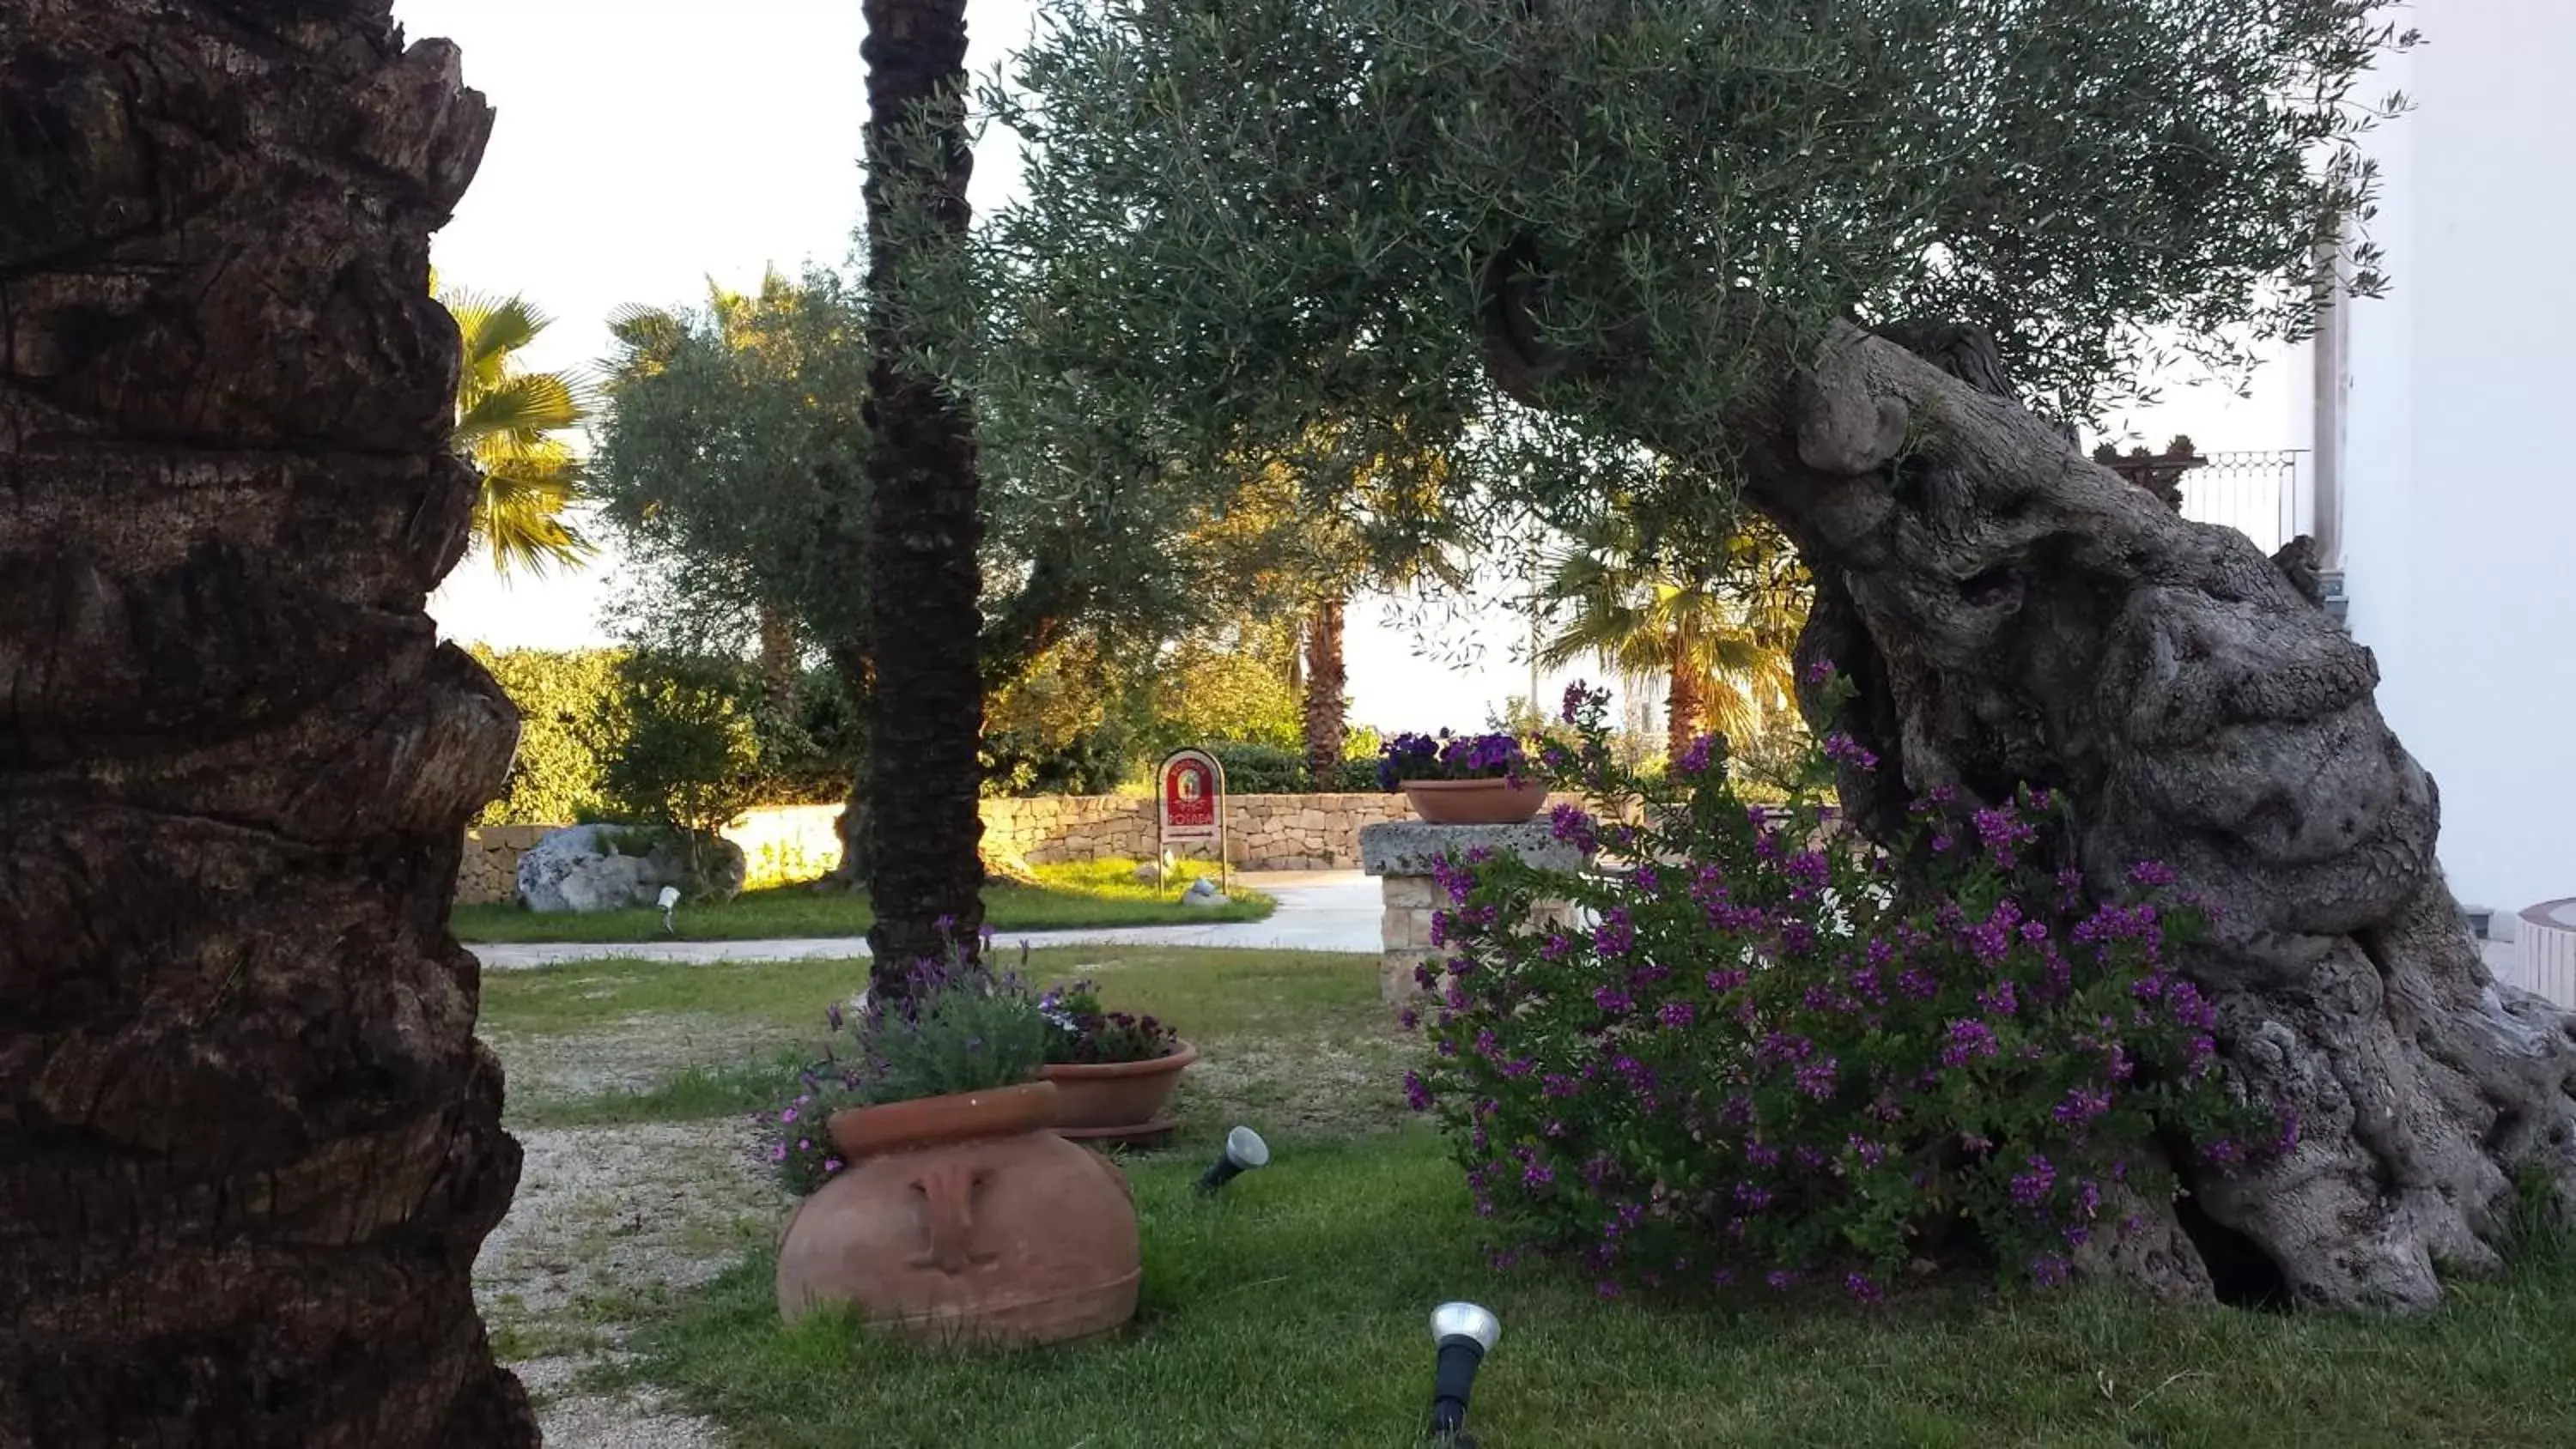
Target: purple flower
{"type": "Point", "coordinates": [1417, 1095]}
{"type": "Point", "coordinates": [1969, 1039]}
{"type": "Point", "coordinates": [1721, 982]}
{"type": "Point", "coordinates": [2049, 1270]}
{"type": "Point", "coordinates": [1842, 749]}
{"type": "Point", "coordinates": [1537, 1175]}
{"type": "Point", "coordinates": [1998, 1000]}
{"type": "Point", "coordinates": [1558, 1084]}
{"type": "Point", "coordinates": [2151, 873]}
{"type": "Point", "coordinates": [1942, 842]}
{"type": "Point", "coordinates": [2031, 1187]}
{"type": "Point", "coordinates": [1614, 1000]}
{"type": "Point", "coordinates": [832, 1165]}
{"type": "Point", "coordinates": [1862, 1289]}
{"type": "Point", "coordinates": [1676, 1013]}
{"type": "Point", "coordinates": [1696, 755]}
{"type": "Point", "coordinates": [1575, 826]}
{"type": "Point", "coordinates": [778, 1152]}
{"type": "Point", "coordinates": [1818, 1078]}
{"type": "Point", "coordinates": [1408, 1018]}
{"type": "Point", "coordinates": [1615, 936]}
{"type": "Point", "coordinates": [1820, 671]}
{"type": "Point", "coordinates": [2082, 1105]}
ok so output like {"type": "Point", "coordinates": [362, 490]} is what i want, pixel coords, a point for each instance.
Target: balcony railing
{"type": "Point", "coordinates": [2255, 493]}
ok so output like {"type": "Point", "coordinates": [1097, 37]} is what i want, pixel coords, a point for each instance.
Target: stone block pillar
{"type": "Point", "coordinates": [1402, 854]}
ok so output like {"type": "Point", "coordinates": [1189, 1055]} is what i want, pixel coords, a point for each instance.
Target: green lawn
{"type": "Point", "coordinates": [1297, 1040]}
{"type": "Point", "coordinates": [1086, 893]}
{"type": "Point", "coordinates": [1290, 1312]}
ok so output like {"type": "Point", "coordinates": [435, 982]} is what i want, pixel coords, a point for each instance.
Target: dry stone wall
{"type": "Point", "coordinates": [798, 842]}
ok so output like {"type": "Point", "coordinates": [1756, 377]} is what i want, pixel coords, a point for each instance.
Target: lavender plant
{"type": "Point", "coordinates": [1768, 1056]}
{"type": "Point", "coordinates": [957, 1027]}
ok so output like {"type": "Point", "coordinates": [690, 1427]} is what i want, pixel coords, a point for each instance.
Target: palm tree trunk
{"type": "Point", "coordinates": [924, 593]}
{"type": "Point", "coordinates": [1682, 705]}
{"type": "Point", "coordinates": [1326, 700]}
{"type": "Point", "coordinates": [249, 1147]}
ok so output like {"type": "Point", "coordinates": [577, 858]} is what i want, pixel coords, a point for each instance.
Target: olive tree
{"type": "Point", "coordinates": [1861, 264]}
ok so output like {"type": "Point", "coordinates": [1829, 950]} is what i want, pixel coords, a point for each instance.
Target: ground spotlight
{"type": "Point", "coordinates": [1465, 1333]}
{"type": "Point", "coordinates": [1244, 1151]}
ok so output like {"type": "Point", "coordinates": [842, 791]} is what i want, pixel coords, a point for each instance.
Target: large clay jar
{"type": "Point", "coordinates": [963, 1218]}
{"type": "Point", "coordinates": [1098, 1099]}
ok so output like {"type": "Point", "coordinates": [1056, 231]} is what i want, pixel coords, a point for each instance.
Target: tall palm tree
{"type": "Point", "coordinates": [508, 422]}
{"type": "Point", "coordinates": [249, 1147]}
{"type": "Point", "coordinates": [925, 586]}
{"type": "Point", "coordinates": [1717, 631]}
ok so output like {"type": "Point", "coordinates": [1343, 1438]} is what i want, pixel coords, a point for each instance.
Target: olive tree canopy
{"type": "Point", "coordinates": [1853, 266]}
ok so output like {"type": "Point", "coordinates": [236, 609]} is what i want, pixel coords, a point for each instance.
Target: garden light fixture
{"type": "Point", "coordinates": [1244, 1151]}
{"type": "Point", "coordinates": [1465, 1333]}
{"type": "Point", "coordinates": [670, 903]}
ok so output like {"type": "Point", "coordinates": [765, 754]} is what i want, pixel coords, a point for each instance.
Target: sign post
{"type": "Point", "coordinates": [1189, 795]}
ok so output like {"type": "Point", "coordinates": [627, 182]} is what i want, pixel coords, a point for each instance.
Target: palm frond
{"type": "Point", "coordinates": [522, 408]}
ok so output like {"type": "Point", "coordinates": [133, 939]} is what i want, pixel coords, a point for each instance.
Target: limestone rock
{"type": "Point", "coordinates": [608, 867]}
{"type": "Point", "coordinates": [1411, 847]}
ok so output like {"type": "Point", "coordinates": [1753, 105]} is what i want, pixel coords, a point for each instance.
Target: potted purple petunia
{"type": "Point", "coordinates": [1462, 779]}
{"type": "Point", "coordinates": [1112, 1071]}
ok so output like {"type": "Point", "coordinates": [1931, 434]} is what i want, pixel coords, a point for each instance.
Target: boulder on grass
{"type": "Point", "coordinates": [612, 867]}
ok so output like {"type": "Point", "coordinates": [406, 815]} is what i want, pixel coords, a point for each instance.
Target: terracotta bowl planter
{"type": "Point", "coordinates": [1475, 802]}
{"type": "Point", "coordinates": [963, 1218]}
{"type": "Point", "coordinates": [1108, 1099]}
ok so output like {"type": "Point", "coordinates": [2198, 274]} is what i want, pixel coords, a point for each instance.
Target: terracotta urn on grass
{"type": "Point", "coordinates": [965, 1218]}
{"type": "Point", "coordinates": [1475, 802]}
{"type": "Point", "coordinates": [1117, 1100]}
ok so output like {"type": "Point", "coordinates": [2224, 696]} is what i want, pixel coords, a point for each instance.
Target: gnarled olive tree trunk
{"type": "Point", "coordinates": [248, 1144]}
{"type": "Point", "coordinates": [2015, 613]}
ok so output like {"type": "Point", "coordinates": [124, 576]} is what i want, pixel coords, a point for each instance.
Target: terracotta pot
{"type": "Point", "coordinates": [963, 1218]}
{"type": "Point", "coordinates": [1091, 1096]}
{"type": "Point", "coordinates": [1475, 802]}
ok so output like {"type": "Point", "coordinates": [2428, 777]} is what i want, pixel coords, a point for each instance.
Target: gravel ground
{"type": "Point", "coordinates": [605, 1218]}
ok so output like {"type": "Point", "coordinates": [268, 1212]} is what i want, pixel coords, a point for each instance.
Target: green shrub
{"type": "Point", "coordinates": [1261, 769]}
{"type": "Point", "coordinates": [567, 702]}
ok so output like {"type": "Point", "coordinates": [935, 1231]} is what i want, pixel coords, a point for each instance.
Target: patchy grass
{"type": "Point", "coordinates": [1097, 893]}
{"type": "Point", "coordinates": [1295, 1041]}
{"type": "Point", "coordinates": [1290, 1312]}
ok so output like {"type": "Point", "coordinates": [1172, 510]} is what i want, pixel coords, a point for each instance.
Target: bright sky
{"type": "Point", "coordinates": [643, 146]}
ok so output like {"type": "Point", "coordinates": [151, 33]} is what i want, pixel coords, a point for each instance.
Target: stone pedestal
{"type": "Point", "coordinates": [1402, 854]}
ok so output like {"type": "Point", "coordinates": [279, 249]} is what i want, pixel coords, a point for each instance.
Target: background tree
{"type": "Point", "coordinates": [249, 1147]}
{"type": "Point", "coordinates": [1717, 632]}
{"type": "Point", "coordinates": [1863, 270]}
{"type": "Point", "coordinates": [507, 421]}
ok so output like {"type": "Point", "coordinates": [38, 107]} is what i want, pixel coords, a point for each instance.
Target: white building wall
{"type": "Point", "coordinates": [2459, 464]}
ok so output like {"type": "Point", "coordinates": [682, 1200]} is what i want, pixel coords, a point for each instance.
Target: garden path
{"type": "Point", "coordinates": [1318, 911]}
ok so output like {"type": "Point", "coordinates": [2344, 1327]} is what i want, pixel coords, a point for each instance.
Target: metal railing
{"type": "Point", "coordinates": [2255, 493]}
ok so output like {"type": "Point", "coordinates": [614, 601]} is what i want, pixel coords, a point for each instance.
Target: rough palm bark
{"type": "Point", "coordinates": [925, 876]}
{"type": "Point", "coordinates": [248, 1144]}
{"type": "Point", "coordinates": [2014, 612]}
{"type": "Point", "coordinates": [1326, 701]}
{"type": "Point", "coordinates": [1681, 703]}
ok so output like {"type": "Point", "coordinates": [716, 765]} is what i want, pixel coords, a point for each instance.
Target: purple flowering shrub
{"type": "Point", "coordinates": [1445, 756]}
{"type": "Point", "coordinates": [1768, 1054]}
{"type": "Point", "coordinates": [959, 1026]}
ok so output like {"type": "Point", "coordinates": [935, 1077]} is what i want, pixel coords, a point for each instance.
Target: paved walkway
{"type": "Point", "coordinates": [1318, 911]}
